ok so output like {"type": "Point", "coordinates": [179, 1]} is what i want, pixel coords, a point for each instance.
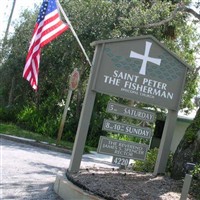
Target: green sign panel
{"type": "Point", "coordinates": [120, 148]}
{"type": "Point", "coordinates": [118, 127]}
{"type": "Point", "coordinates": [139, 68]}
{"type": "Point", "coordinates": [132, 112]}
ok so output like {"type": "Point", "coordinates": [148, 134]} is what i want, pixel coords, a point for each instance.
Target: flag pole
{"type": "Point", "coordinates": [74, 33]}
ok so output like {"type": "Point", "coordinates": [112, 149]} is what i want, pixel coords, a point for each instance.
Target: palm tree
{"type": "Point", "coordinates": [3, 45]}
{"type": "Point", "coordinates": [9, 21]}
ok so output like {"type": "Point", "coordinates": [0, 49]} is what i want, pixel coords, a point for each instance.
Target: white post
{"type": "Point", "coordinates": [64, 116]}
{"type": "Point", "coordinates": [186, 186]}
{"type": "Point", "coordinates": [166, 140]}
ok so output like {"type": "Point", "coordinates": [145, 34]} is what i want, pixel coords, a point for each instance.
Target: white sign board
{"type": "Point", "coordinates": [128, 111]}
{"type": "Point", "coordinates": [118, 127]}
{"type": "Point", "coordinates": [120, 148]}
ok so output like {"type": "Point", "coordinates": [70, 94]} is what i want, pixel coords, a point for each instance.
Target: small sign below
{"type": "Point", "coordinates": [121, 148]}
{"type": "Point", "coordinates": [120, 161]}
{"type": "Point", "coordinates": [132, 112]}
{"type": "Point", "coordinates": [118, 127]}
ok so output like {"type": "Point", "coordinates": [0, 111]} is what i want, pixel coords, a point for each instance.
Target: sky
{"type": "Point", "coordinates": [5, 9]}
{"type": "Point", "coordinates": [21, 5]}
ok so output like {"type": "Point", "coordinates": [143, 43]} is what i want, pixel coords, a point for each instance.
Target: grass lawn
{"type": "Point", "coordinates": [11, 129]}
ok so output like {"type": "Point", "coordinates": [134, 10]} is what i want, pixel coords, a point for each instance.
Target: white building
{"type": "Point", "coordinates": [182, 123]}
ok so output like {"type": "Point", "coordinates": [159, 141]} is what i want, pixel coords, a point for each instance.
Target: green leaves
{"type": "Point", "coordinates": [92, 20]}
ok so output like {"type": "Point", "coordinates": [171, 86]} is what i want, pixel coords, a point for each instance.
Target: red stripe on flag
{"type": "Point", "coordinates": [48, 27]}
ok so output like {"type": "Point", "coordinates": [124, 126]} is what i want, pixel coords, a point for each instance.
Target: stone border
{"type": "Point", "coordinates": [70, 191]}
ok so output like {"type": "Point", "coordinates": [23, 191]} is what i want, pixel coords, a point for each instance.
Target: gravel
{"type": "Point", "coordinates": [112, 184]}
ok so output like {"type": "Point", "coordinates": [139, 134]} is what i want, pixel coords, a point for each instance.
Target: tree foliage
{"type": "Point", "coordinates": [92, 20]}
{"type": "Point", "coordinates": [189, 147]}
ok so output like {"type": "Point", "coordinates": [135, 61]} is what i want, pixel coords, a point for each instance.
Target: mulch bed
{"type": "Point", "coordinates": [114, 184]}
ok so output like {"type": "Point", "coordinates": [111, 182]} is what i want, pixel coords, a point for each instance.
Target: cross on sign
{"type": "Point", "coordinates": [145, 58]}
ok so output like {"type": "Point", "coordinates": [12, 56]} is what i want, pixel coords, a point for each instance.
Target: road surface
{"type": "Point", "coordinates": [28, 172]}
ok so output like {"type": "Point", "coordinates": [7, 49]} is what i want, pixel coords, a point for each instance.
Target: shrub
{"type": "Point", "coordinates": [36, 120]}
{"type": "Point", "coordinates": [196, 172]}
{"type": "Point", "coordinates": [149, 163]}
{"type": "Point", "coordinates": [196, 182]}
{"type": "Point", "coordinates": [8, 114]}
{"type": "Point", "coordinates": [26, 117]}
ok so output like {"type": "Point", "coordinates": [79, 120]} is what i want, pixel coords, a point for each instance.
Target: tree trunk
{"type": "Point", "coordinates": [10, 98]}
{"type": "Point", "coordinates": [9, 21]}
{"type": "Point", "coordinates": [188, 150]}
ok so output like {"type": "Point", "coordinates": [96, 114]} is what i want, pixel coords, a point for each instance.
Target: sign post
{"type": "Point", "coordinates": [165, 144]}
{"type": "Point", "coordinates": [73, 84]}
{"type": "Point", "coordinates": [82, 129]}
{"type": "Point", "coordinates": [139, 69]}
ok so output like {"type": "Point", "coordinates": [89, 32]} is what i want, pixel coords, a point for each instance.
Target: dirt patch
{"type": "Point", "coordinates": [112, 184]}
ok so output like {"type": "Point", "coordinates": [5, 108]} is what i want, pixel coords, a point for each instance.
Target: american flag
{"type": "Point", "coordinates": [48, 26]}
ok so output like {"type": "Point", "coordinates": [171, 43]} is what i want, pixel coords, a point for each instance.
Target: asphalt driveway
{"type": "Point", "coordinates": [29, 172]}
